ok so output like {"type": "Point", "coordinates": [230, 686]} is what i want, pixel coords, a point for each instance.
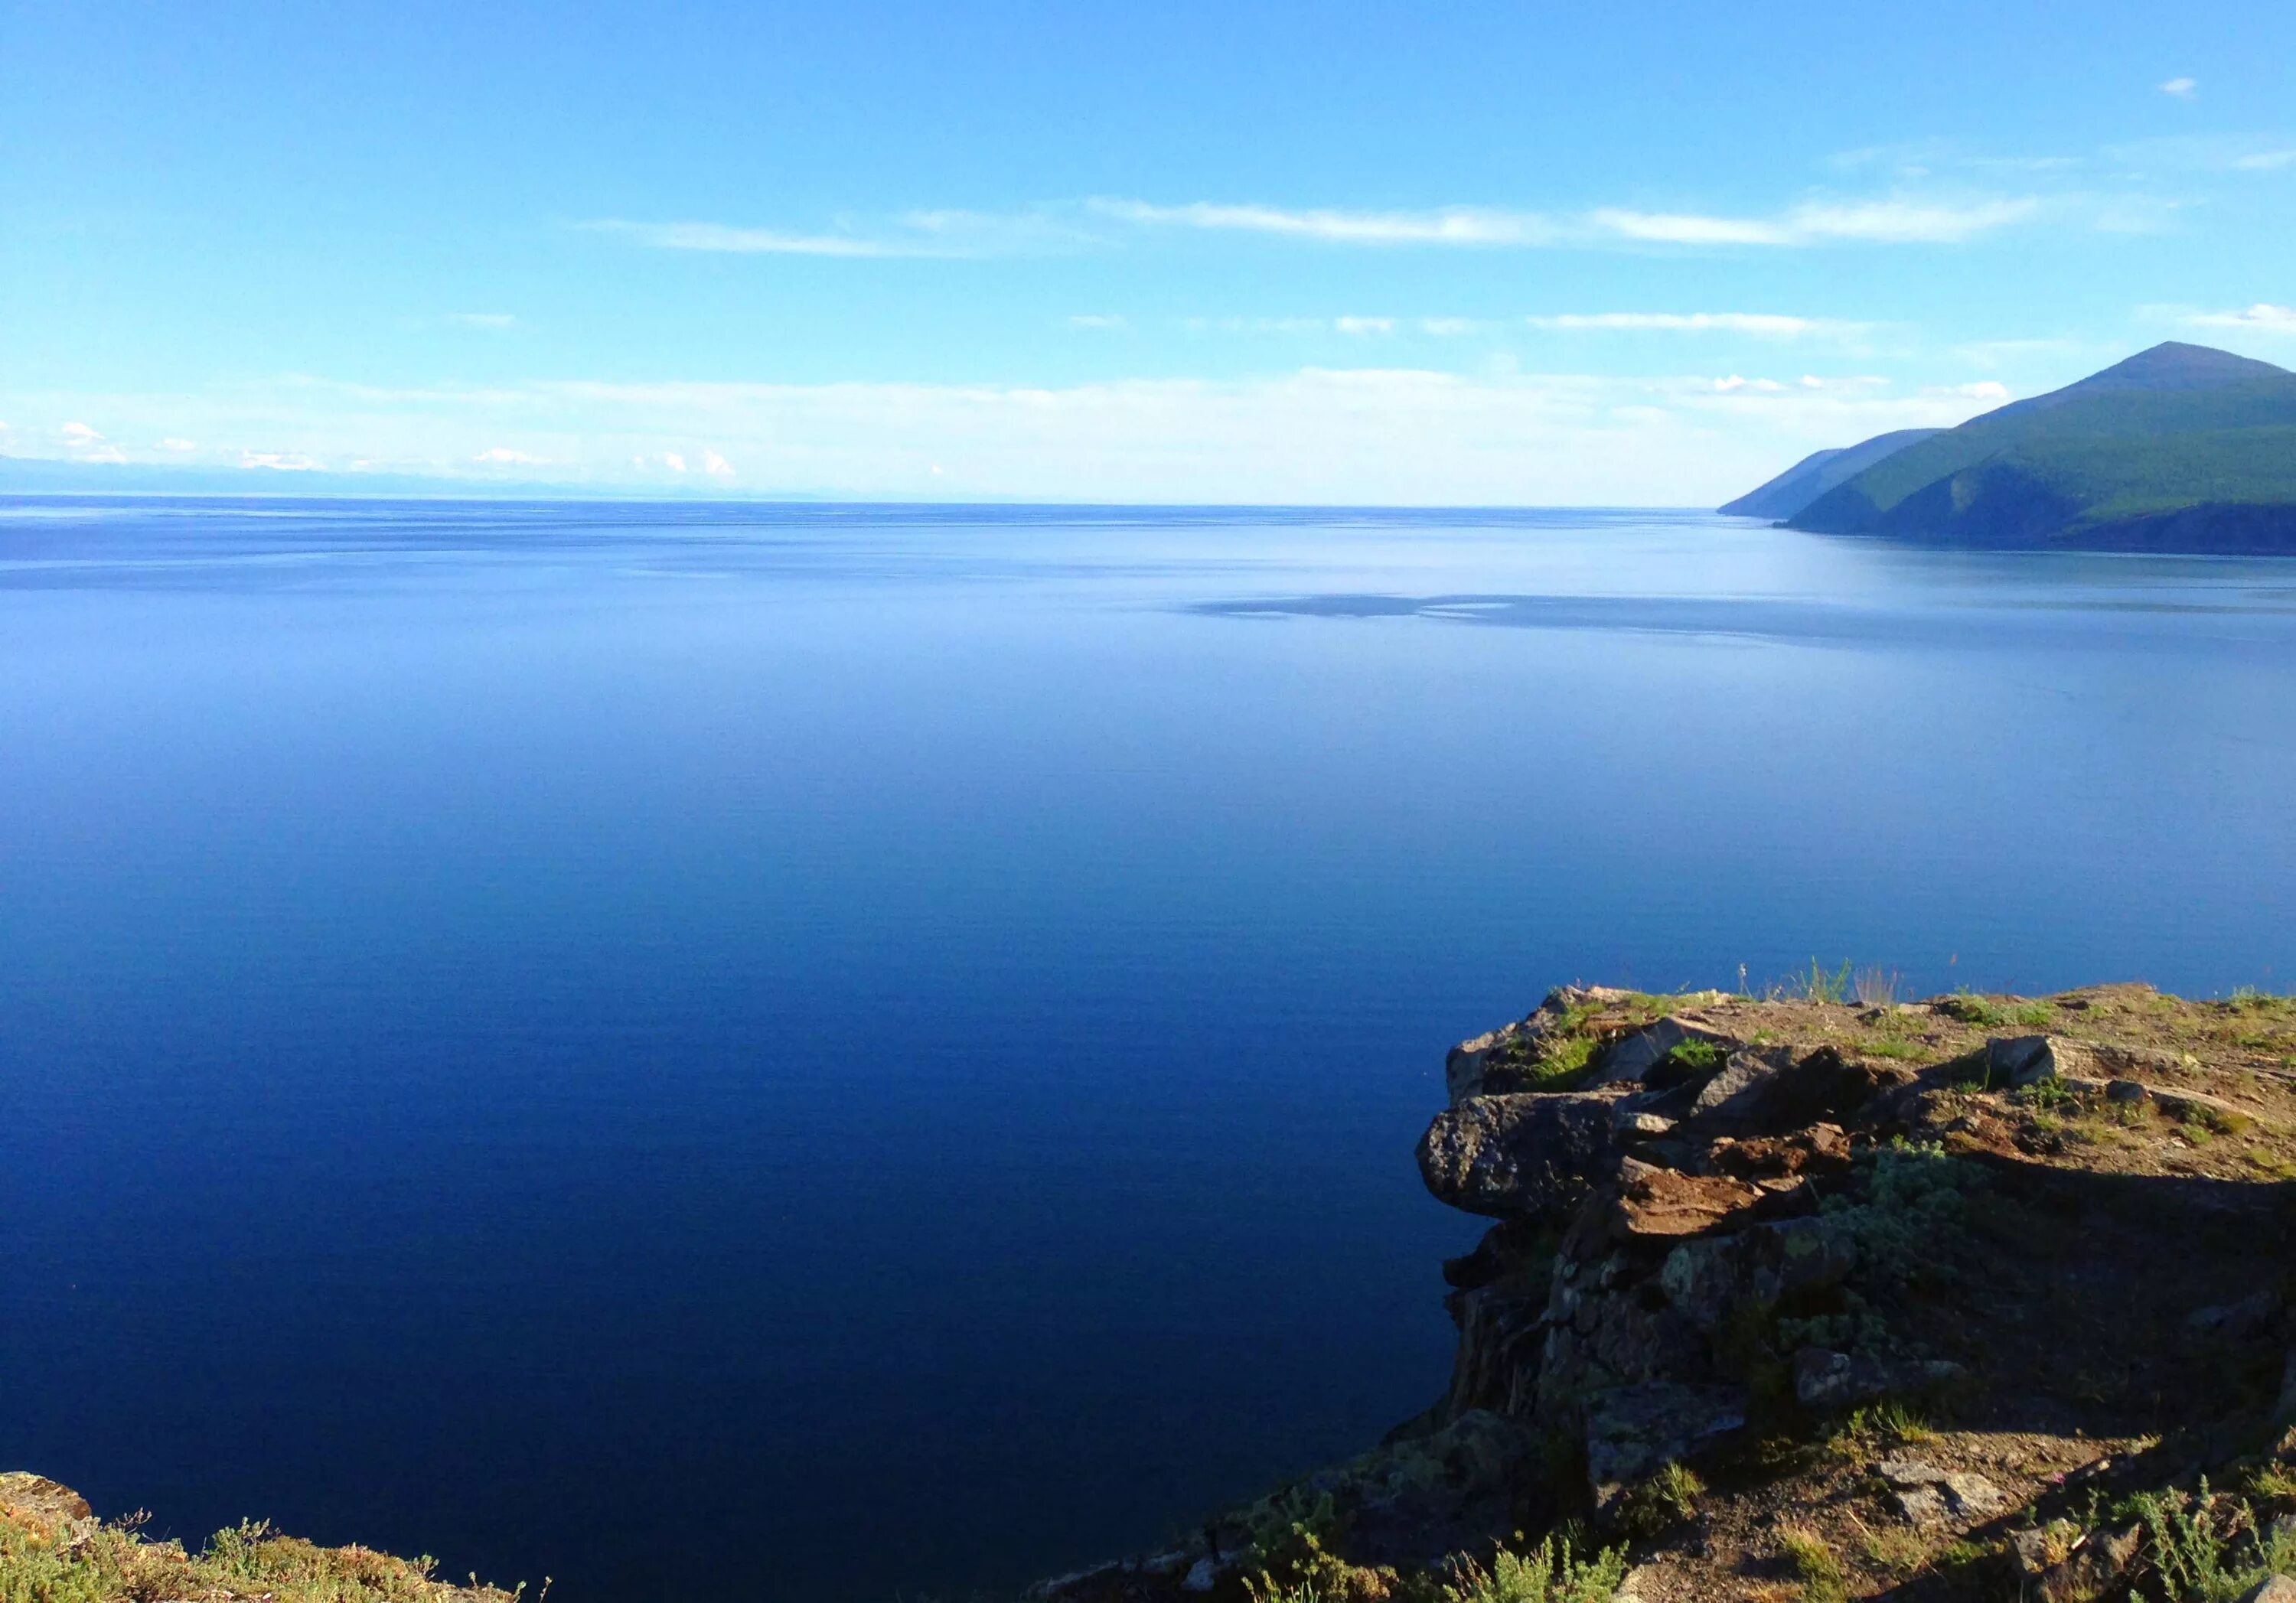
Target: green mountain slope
{"type": "Point", "coordinates": [1814, 474]}
{"type": "Point", "coordinates": [2180, 448]}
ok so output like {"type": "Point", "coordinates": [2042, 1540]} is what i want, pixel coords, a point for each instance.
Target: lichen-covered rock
{"type": "Point", "coordinates": [1523, 1154]}
{"type": "Point", "coordinates": [1706, 1280]}
{"type": "Point", "coordinates": [1635, 1431]}
{"type": "Point", "coordinates": [36, 1500]}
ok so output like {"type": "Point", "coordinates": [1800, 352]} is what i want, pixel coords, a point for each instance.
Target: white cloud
{"type": "Point", "coordinates": [282, 461]}
{"type": "Point", "coordinates": [86, 445]}
{"type": "Point", "coordinates": [756, 242]}
{"type": "Point", "coordinates": [1360, 326]}
{"type": "Point", "coordinates": [173, 444]}
{"type": "Point", "coordinates": [504, 454]}
{"type": "Point", "coordinates": [716, 466]}
{"type": "Point", "coordinates": [1991, 391]}
{"type": "Point", "coordinates": [483, 320]}
{"type": "Point", "coordinates": [1110, 321]}
{"type": "Point", "coordinates": [1448, 226]}
{"type": "Point", "coordinates": [2262, 318]}
{"type": "Point", "coordinates": [1893, 221]}
{"type": "Point", "coordinates": [1763, 324]}
{"type": "Point", "coordinates": [672, 459]}
{"type": "Point", "coordinates": [944, 233]}
{"type": "Point", "coordinates": [1906, 222]}
{"type": "Point", "coordinates": [2265, 161]}
{"type": "Point", "coordinates": [2183, 89]}
{"type": "Point", "coordinates": [1683, 228]}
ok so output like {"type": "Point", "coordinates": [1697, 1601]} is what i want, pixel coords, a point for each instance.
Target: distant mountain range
{"type": "Point", "coordinates": [1814, 474]}
{"type": "Point", "coordinates": [2178, 448]}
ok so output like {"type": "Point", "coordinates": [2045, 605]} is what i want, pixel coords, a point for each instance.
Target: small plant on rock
{"type": "Point", "coordinates": [1696, 1055]}
{"type": "Point", "coordinates": [1550, 1573]}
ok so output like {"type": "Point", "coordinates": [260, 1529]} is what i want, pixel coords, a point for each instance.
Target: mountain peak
{"type": "Point", "coordinates": [2173, 364]}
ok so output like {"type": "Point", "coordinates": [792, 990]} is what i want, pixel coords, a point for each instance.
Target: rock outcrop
{"type": "Point", "coordinates": [2008, 1260]}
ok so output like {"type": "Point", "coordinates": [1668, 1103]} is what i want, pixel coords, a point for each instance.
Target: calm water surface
{"type": "Point", "coordinates": [836, 1054]}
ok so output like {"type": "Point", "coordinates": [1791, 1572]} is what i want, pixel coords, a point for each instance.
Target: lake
{"type": "Point", "coordinates": [846, 1052]}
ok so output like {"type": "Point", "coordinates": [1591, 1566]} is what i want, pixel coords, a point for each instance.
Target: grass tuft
{"type": "Point", "coordinates": [1822, 1578]}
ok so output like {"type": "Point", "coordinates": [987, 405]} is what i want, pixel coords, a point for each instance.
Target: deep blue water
{"type": "Point", "coordinates": [837, 1052]}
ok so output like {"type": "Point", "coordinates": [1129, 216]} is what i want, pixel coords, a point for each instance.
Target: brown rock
{"type": "Point", "coordinates": [1820, 1149]}
{"type": "Point", "coordinates": [1655, 1203]}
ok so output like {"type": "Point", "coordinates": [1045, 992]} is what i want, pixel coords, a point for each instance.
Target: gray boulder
{"type": "Point", "coordinates": [1927, 1495]}
{"type": "Point", "coordinates": [1527, 1153]}
{"type": "Point", "coordinates": [1828, 1381]}
{"type": "Point", "coordinates": [2014, 1061]}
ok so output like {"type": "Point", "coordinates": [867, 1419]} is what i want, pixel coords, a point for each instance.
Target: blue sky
{"type": "Point", "coordinates": [1529, 253]}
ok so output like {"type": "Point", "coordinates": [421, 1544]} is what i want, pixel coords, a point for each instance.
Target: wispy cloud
{"type": "Point", "coordinates": [483, 320]}
{"type": "Point", "coordinates": [946, 233]}
{"type": "Point", "coordinates": [1351, 326]}
{"type": "Point", "coordinates": [504, 456]}
{"type": "Point", "coordinates": [1991, 391]}
{"type": "Point", "coordinates": [2183, 153]}
{"type": "Point", "coordinates": [2262, 318]}
{"type": "Point", "coordinates": [1767, 325]}
{"type": "Point", "coordinates": [178, 445]}
{"type": "Point", "coordinates": [1448, 226]}
{"type": "Point", "coordinates": [756, 242]}
{"type": "Point", "coordinates": [2182, 88]}
{"type": "Point", "coordinates": [1106, 322]}
{"type": "Point", "coordinates": [1815, 223]}
{"type": "Point", "coordinates": [1896, 221]}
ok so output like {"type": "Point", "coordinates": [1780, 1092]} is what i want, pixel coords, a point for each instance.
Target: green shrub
{"type": "Point", "coordinates": [1550, 1573]}
{"type": "Point", "coordinates": [2206, 1548]}
{"type": "Point", "coordinates": [83, 1562]}
{"type": "Point", "coordinates": [1913, 1215]}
